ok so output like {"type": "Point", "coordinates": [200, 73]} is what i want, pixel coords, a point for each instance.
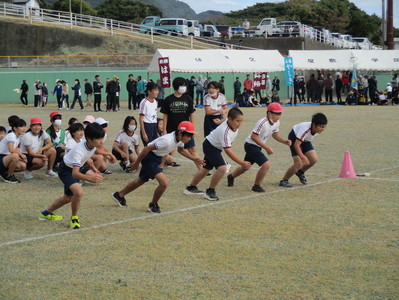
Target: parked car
{"type": "Point", "coordinates": [348, 43]}
{"type": "Point", "coordinates": [362, 43]}
{"type": "Point", "coordinates": [211, 31]}
{"type": "Point", "coordinates": [290, 28]}
{"type": "Point", "coordinates": [148, 23]}
{"type": "Point", "coordinates": [193, 28]}
{"type": "Point", "coordinates": [167, 26]}
{"type": "Point", "coordinates": [322, 34]}
{"type": "Point", "coordinates": [266, 26]}
{"type": "Point", "coordinates": [337, 40]}
{"type": "Point", "coordinates": [238, 31]}
{"type": "Point", "coordinates": [225, 30]}
{"type": "Point", "coordinates": [308, 31]}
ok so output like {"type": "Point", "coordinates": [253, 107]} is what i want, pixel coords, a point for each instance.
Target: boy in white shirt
{"type": "Point", "coordinates": [256, 141]}
{"type": "Point", "coordinates": [151, 158]}
{"type": "Point", "coordinates": [215, 108]}
{"type": "Point", "coordinates": [37, 154]}
{"type": "Point", "coordinates": [71, 170]}
{"type": "Point", "coordinates": [219, 139]}
{"type": "Point", "coordinates": [302, 150]}
{"type": "Point", "coordinates": [11, 158]}
{"type": "Point", "coordinates": [148, 114]}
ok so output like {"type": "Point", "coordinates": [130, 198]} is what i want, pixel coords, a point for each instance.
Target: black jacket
{"type": "Point", "coordinates": [97, 86]}
{"type": "Point", "coordinates": [88, 88]}
{"type": "Point", "coordinates": [131, 86]}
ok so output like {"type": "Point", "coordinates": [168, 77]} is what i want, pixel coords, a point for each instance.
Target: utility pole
{"type": "Point", "coordinates": [383, 24]}
{"type": "Point", "coordinates": [389, 41]}
{"type": "Point", "coordinates": [81, 7]}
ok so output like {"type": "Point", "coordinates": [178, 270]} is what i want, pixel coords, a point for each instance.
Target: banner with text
{"type": "Point", "coordinates": [289, 71]}
{"type": "Point", "coordinates": [164, 71]}
{"type": "Point", "coordinates": [260, 81]}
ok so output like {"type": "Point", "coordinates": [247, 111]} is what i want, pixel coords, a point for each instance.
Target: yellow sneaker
{"type": "Point", "coordinates": [49, 217]}
{"type": "Point", "coordinates": [74, 223]}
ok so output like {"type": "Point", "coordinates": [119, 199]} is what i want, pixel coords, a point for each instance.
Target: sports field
{"type": "Point", "coordinates": [333, 238]}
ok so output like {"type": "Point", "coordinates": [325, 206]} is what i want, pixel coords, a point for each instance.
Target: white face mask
{"type": "Point", "coordinates": [214, 94]}
{"type": "Point", "coordinates": [132, 127]}
{"type": "Point", "coordinates": [58, 122]}
{"type": "Point", "coordinates": [182, 89]}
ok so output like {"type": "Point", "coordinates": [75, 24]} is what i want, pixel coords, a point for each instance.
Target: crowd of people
{"type": "Point", "coordinates": [78, 153]}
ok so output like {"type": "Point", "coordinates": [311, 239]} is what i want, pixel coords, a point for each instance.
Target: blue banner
{"type": "Point", "coordinates": [354, 79]}
{"type": "Point", "coordinates": [289, 71]}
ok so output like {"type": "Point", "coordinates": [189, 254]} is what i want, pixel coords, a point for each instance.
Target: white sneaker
{"type": "Point", "coordinates": [228, 166]}
{"type": "Point", "coordinates": [28, 174]}
{"type": "Point", "coordinates": [51, 173]}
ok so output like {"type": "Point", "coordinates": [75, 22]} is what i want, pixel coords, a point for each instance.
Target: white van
{"type": "Point", "coordinates": [267, 25]}
{"type": "Point", "coordinates": [210, 30]}
{"type": "Point", "coordinates": [362, 43]}
{"type": "Point", "coordinates": [193, 27]}
{"type": "Point", "coordinates": [174, 26]}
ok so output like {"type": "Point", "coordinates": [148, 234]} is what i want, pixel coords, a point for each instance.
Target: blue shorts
{"type": "Point", "coordinates": [190, 144]}
{"type": "Point", "coordinates": [2, 166]}
{"type": "Point", "coordinates": [151, 129]}
{"type": "Point", "coordinates": [305, 146]}
{"type": "Point", "coordinates": [150, 166]}
{"type": "Point", "coordinates": [118, 155]}
{"type": "Point", "coordinates": [65, 175]}
{"type": "Point", "coordinates": [254, 154]}
{"type": "Point", "coordinates": [209, 125]}
{"type": "Point", "coordinates": [29, 159]}
{"type": "Point", "coordinates": [213, 156]}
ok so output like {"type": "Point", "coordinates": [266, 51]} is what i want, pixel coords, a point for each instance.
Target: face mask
{"type": "Point", "coordinates": [132, 127]}
{"type": "Point", "coordinates": [214, 94]}
{"type": "Point", "coordinates": [58, 122]}
{"type": "Point", "coordinates": [182, 89]}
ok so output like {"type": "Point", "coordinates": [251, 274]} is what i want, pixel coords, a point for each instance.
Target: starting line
{"type": "Point", "coordinates": [167, 213]}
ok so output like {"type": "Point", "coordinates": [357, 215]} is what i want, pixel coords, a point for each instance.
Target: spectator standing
{"type": "Point", "coordinates": [302, 89]}
{"type": "Point", "coordinates": [199, 85]}
{"type": "Point", "coordinates": [246, 26]}
{"type": "Point", "coordinates": [237, 89]}
{"type": "Point", "coordinates": [97, 86]}
{"type": "Point", "coordinates": [365, 84]}
{"type": "Point", "coordinates": [118, 94]}
{"type": "Point", "coordinates": [36, 93]}
{"type": "Point", "coordinates": [395, 85]}
{"type": "Point", "coordinates": [296, 90]}
{"type": "Point", "coordinates": [205, 89]}
{"type": "Point", "coordinates": [65, 94]}
{"type": "Point", "coordinates": [140, 90]}
{"type": "Point", "coordinates": [311, 86]}
{"type": "Point", "coordinates": [112, 90]}
{"type": "Point", "coordinates": [248, 84]}
{"type": "Point", "coordinates": [345, 83]}
{"type": "Point", "coordinates": [88, 92]}
{"type": "Point", "coordinates": [372, 88]}
{"type": "Point", "coordinates": [131, 88]}
{"type": "Point", "coordinates": [328, 88]}
{"type": "Point", "coordinates": [221, 86]}
{"type": "Point", "coordinates": [338, 88]}
{"type": "Point", "coordinates": [191, 87]}
{"type": "Point", "coordinates": [44, 95]}
{"type": "Point", "coordinates": [268, 87]}
{"type": "Point", "coordinates": [320, 88]}
{"type": "Point", "coordinates": [161, 93]}
{"type": "Point", "coordinates": [24, 93]}
{"type": "Point", "coordinates": [276, 84]}
{"type": "Point", "coordinates": [77, 95]}
{"type": "Point", "coordinates": [58, 93]}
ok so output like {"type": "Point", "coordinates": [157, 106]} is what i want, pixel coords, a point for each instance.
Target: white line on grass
{"type": "Point", "coordinates": [208, 204]}
{"type": "Point", "coordinates": [379, 179]}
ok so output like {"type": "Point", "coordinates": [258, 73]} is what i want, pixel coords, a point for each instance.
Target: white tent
{"type": "Point", "coordinates": [219, 61]}
{"type": "Point", "coordinates": [371, 60]}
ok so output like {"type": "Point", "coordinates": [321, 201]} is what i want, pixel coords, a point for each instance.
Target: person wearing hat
{"type": "Point", "coordinates": [37, 154]}
{"type": "Point", "coordinates": [101, 162]}
{"type": "Point", "coordinates": [151, 157]}
{"type": "Point", "coordinates": [88, 119]}
{"type": "Point", "coordinates": [256, 141]}
{"type": "Point", "coordinates": [57, 135]}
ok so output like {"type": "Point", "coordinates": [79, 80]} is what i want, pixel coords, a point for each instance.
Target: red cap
{"type": "Point", "coordinates": [55, 113]}
{"type": "Point", "coordinates": [187, 127]}
{"type": "Point", "coordinates": [275, 107]}
{"type": "Point", "coordinates": [35, 121]}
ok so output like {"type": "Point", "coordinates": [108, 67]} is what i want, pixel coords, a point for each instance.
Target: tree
{"type": "Point", "coordinates": [63, 5]}
{"type": "Point", "coordinates": [126, 10]}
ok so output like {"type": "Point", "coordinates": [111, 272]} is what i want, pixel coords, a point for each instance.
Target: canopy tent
{"type": "Point", "coordinates": [219, 61]}
{"type": "Point", "coordinates": [370, 60]}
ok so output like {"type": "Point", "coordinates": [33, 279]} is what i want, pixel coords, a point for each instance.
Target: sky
{"type": "Point", "coordinates": [369, 6]}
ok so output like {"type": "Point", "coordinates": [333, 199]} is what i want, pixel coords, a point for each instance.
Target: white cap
{"type": "Point", "coordinates": [101, 121]}
{"type": "Point", "coordinates": [89, 118]}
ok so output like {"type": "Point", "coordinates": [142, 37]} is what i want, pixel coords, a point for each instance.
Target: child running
{"type": "Point", "coordinates": [263, 130]}
{"type": "Point", "coordinates": [123, 142]}
{"type": "Point", "coordinates": [71, 170]}
{"type": "Point", "coordinates": [148, 114]}
{"type": "Point", "coordinates": [220, 138]}
{"type": "Point", "coordinates": [302, 150]}
{"type": "Point", "coordinates": [151, 157]}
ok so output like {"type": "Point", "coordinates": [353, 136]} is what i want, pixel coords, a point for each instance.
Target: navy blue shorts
{"type": "Point", "coordinates": [118, 155]}
{"type": "Point", "coordinates": [254, 154]}
{"type": "Point", "coordinates": [65, 175]}
{"type": "Point", "coordinates": [150, 166]}
{"type": "Point", "coordinates": [190, 144]}
{"type": "Point", "coordinates": [2, 166]}
{"type": "Point", "coordinates": [209, 125]}
{"type": "Point", "coordinates": [213, 156]}
{"type": "Point", "coordinates": [305, 146]}
{"type": "Point", "coordinates": [152, 132]}
{"type": "Point", "coordinates": [29, 159]}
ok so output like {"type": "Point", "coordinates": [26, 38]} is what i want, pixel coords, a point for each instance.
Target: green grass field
{"type": "Point", "coordinates": [334, 238]}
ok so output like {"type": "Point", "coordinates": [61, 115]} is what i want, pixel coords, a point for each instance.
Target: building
{"type": "Point", "coordinates": [28, 4]}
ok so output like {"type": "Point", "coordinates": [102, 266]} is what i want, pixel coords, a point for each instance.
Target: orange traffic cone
{"type": "Point", "coordinates": [347, 170]}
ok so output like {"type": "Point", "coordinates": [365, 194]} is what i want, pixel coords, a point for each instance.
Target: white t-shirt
{"type": "Point", "coordinates": [223, 136]}
{"type": "Point", "coordinates": [303, 132]}
{"type": "Point", "coordinates": [72, 143]}
{"type": "Point", "coordinates": [148, 109]}
{"type": "Point", "coordinates": [10, 138]}
{"type": "Point", "coordinates": [215, 104]}
{"type": "Point", "coordinates": [123, 137]}
{"type": "Point", "coordinates": [78, 155]}
{"type": "Point", "coordinates": [264, 130]}
{"type": "Point", "coordinates": [166, 144]}
{"type": "Point", "coordinates": [31, 140]}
